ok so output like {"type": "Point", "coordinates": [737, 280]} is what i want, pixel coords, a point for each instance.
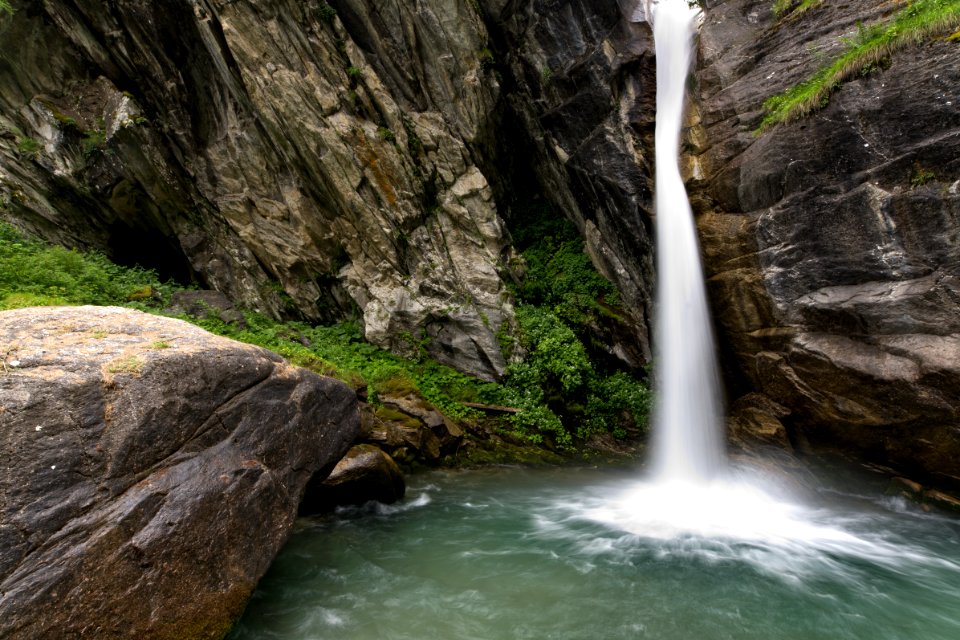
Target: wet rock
{"type": "Point", "coordinates": [151, 471]}
{"type": "Point", "coordinates": [832, 243]}
{"type": "Point", "coordinates": [365, 473]}
{"type": "Point", "coordinates": [582, 104]}
{"type": "Point", "coordinates": [756, 419]}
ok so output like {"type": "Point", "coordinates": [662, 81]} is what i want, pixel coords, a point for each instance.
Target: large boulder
{"type": "Point", "coordinates": [151, 471]}
{"type": "Point", "coordinates": [832, 242]}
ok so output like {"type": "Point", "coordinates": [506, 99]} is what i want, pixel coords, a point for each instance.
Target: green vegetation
{"type": "Point", "coordinates": [386, 134]}
{"type": "Point", "coordinates": [94, 140]}
{"type": "Point", "coordinates": [873, 44]}
{"type": "Point", "coordinates": [559, 274]}
{"type": "Point", "coordinates": [129, 364]}
{"type": "Point", "coordinates": [6, 7]}
{"type": "Point", "coordinates": [326, 12]}
{"type": "Point", "coordinates": [793, 8]}
{"type": "Point", "coordinates": [34, 273]}
{"type": "Point", "coordinates": [559, 390]}
{"type": "Point", "coordinates": [546, 75]}
{"type": "Point", "coordinates": [29, 147]}
{"type": "Point", "coordinates": [921, 176]}
{"type": "Point", "coordinates": [487, 61]}
{"type": "Point", "coordinates": [561, 394]}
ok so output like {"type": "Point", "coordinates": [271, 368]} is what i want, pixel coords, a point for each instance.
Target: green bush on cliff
{"type": "Point", "coordinates": [920, 20]}
{"type": "Point", "coordinates": [560, 392]}
{"type": "Point", "coordinates": [559, 274]}
{"type": "Point", "coordinates": [558, 389]}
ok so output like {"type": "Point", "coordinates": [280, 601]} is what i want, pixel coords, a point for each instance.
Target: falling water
{"type": "Point", "coordinates": [687, 419]}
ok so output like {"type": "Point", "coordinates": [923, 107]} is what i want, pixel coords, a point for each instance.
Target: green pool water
{"type": "Point", "coordinates": [598, 553]}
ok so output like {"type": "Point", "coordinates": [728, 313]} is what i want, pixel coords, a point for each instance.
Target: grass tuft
{"type": "Point", "coordinates": [871, 46]}
{"type": "Point", "coordinates": [793, 8]}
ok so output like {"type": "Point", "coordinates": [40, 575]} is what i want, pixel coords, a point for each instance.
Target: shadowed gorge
{"type": "Point", "coordinates": [450, 206]}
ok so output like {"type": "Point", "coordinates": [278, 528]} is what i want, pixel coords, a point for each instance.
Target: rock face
{"type": "Point", "coordinates": [240, 142]}
{"type": "Point", "coordinates": [150, 471]}
{"type": "Point", "coordinates": [833, 243]}
{"type": "Point", "coordinates": [582, 97]}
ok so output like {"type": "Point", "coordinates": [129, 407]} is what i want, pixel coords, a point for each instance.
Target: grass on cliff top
{"type": "Point", "coordinates": [919, 20]}
{"type": "Point", "coordinates": [560, 393]}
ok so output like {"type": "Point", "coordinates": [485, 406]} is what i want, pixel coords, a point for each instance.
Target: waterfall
{"type": "Point", "coordinates": [688, 428]}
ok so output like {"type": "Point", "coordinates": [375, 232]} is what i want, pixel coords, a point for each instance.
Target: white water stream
{"type": "Point", "coordinates": [688, 428]}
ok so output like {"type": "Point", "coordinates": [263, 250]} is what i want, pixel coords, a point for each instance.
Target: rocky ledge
{"type": "Point", "coordinates": [151, 471]}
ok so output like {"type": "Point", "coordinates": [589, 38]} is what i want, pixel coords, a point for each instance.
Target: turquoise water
{"type": "Point", "coordinates": [575, 554]}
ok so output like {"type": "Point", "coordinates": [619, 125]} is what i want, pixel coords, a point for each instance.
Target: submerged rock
{"type": "Point", "coordinates": [151, 471]}
{"type": "Point", "coordinates": [365, 473]}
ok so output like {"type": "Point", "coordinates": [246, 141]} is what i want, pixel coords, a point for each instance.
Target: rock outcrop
{"type": "Point", "coordinates": [150, 473]}
{"type": "Point", "coordinates": [248, 142]}
{"type": "Point", "coordinates": [833, 243]}
{"type": "Point", "coordinates": [581, 94]}
{"type": "Point", "coordinates": [364, 474]}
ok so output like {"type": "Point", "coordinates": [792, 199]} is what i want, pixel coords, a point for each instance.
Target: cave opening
{"type": "Point", "coordinates": [133, 246]}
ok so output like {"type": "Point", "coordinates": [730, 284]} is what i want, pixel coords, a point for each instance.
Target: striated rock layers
{"type": "Point", "coordinates": [250, 142]}
{"type": "Point", "coordinates": [833, 243]}
{"type": "Point", "coordinates": [350, 152]}
{"type": "Point", "coordinates": [150, 473]}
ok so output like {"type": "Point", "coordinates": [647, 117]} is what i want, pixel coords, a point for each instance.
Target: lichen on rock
{"type": "Point", "coordinates": [151, 471]}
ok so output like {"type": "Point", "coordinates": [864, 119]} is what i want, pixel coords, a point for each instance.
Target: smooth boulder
{"type": "Point", "coordinates": [151, 471]}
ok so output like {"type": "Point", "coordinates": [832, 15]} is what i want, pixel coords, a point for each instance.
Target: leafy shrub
{"type": "Point", "coordinates": [559, 273]}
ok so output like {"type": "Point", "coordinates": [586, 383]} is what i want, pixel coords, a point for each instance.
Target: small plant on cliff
{"type": "Point", "coordinates": [326, 13]}
{"type": "Point", "coordinates": [29, 147]}
{"type": "Point", "coordinates": [487, 61]}
{"type": "Point", "coordinates": [793, 8]}
{"type": "Point", "coordinates": [94, 140]}
{"type": "Point", "coordinates": [921, 176]}
{"type": "Point", "coordinates": [920, 20]}
{"type": "Point", "coordinates": [6, 7]}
